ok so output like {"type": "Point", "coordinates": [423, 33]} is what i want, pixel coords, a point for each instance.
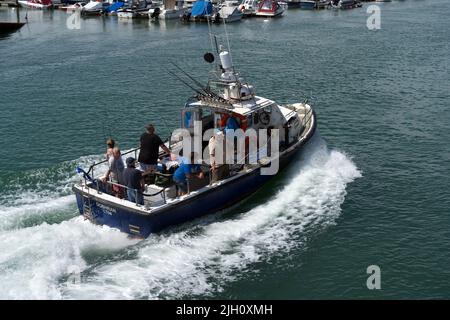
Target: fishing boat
{"type": "Point", "coordinates": [228, 11]}
{"type": "Point", "coordinates": [269, 9]}
{"type": "Point", "coordinates": [283, 130]}
{"type": "Point", "coordinates": [170, 9]}
{"type": "Point", "coordinates": [307, 4]}
{"type": "Point", "coordinates": [36, 4]}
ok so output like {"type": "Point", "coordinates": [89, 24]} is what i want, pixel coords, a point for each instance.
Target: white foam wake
{"type": "Point", "coordinates": [196, 259]}
{"type": "Point", "coordinates": [198, 262]}
{"type": "Point", "coordinates": [40, 194]}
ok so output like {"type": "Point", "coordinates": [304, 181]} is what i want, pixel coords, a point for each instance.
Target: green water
{"type": "Point", "coordinates": [370, 189]}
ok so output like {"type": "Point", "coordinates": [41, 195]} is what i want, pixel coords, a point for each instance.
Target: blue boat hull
{"type": "Point", "coordinates": [307, 5]}
{"type": "Point", "coordinates": [293, 4]}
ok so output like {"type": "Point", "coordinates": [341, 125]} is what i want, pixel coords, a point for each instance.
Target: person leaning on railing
{"type": "Point", "coordinates": [132, 179]}
{"type": "Point", "coordinates": [115, 172]}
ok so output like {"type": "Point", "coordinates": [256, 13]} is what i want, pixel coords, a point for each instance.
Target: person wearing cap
{"type": "Point", "coordinates": [150, 143]}
{"type": "Point", "coordinates": [132, 178]}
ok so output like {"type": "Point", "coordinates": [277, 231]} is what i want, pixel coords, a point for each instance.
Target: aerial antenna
{"type": "Point", "coordinates": [209, 29]}
{"type": "Point", "coordinates": [228, 42]}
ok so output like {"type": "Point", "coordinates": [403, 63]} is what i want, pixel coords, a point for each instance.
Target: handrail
{"type": "Point", "coordinates": [135, 190]}
{"type": "Point", "coordinates": [91, 168]}
{"type": "Point", "coordinates": [308, 113]}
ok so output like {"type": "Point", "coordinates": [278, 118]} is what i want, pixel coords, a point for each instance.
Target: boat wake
{"type": "Point", "coordinates": [74, 259]}
{"type": "Point", "coordinates": [41, 195]}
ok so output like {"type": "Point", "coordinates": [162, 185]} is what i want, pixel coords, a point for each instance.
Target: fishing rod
{"type": "Point", "coordinates": [206, 90]}
{"type": "Point", "coordinates": [186, 84]}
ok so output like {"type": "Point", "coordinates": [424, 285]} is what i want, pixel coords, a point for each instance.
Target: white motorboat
{"type": "Point", "coordinates": [36, 4]}
{"type": "Point", "coordinates": [229, 11]}
{"type": "Point", "coordinates": [138, 10]}
{"type": "Point", "coordinates": [345, 4]}
{"type": "Point", "coordinates": [170, 9]}
{"type": "Point", "coordinates": [322, 4]}
{"type": "Point", "coordinates": [92, 8]}
{"type": "Point", "coordinates": [249, 7]}
{"type": "Point", "coordinates": [74, 7]}
{"type": "Point", "coordinates": [269, 9]}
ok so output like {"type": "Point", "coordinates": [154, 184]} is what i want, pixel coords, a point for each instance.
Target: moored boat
{"type": "Point", "coordinates": [7, 28]}
{"type": "Point", "coordinates": [170, 9]}
{"type": "Point", "coordinates": [73, 7]}
{"type": "Point", "coordinates": [92, 8]}
{"type": "Point", "coordinates": [201, 11]}
{"type": "Point", "coordinates": [292, 4]}
{"type": "Point", "coordinates": [345, 4]}
{"type": "Point", "coordinates": [323, 4]}
{"type": "Point", "coordinates": [113, 8]}
{"type": "Point", "coordinates": [138, 10]}
{"type": "Point", "coordinates": [36, 4]}
{"type": "Point", "coordinates": [249, 7]}
{"type": "Point", "coordinates": [228, 11]}
{"type": "Point", "coordinates": [307, 4]}
{"type": "Point", "coordinates": [269, 9]}
{"type": "Point", "coordinates": [286, 129]}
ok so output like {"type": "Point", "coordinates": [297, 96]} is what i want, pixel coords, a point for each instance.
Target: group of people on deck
{"type": "Point", "coordinates": [133, 178]}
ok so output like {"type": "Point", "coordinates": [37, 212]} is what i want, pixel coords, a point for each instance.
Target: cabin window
{"type": "Point", "coordinates": [188, 117]}
{"type": "Point", "coordinates": [249, 121]}
{"type": "Point", "coordinates": [206, 113]}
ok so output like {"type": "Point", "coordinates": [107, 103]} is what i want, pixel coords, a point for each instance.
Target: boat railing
{"type": "Point", "coordinates": [135, 151]}
{"type": "Point", "coordinates": [307, 118]}
{"type": "Point", "coordinates": [162, 191]}
{"type": "Point", "coordinates": [208, 169]}
{"type": "Point", "coordinates": [96, 164]}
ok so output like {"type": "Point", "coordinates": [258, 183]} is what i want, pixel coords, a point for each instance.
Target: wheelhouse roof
{"type": "Point", "coordinates": [244, 108]}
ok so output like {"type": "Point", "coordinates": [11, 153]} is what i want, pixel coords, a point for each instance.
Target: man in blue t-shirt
{"type": "Point", "coordinates": [186, 171]}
